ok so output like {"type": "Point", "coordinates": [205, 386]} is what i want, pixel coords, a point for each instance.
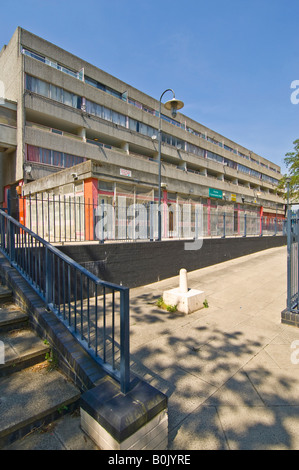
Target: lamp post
{"type": "Point", "coordinates": [172, 105]}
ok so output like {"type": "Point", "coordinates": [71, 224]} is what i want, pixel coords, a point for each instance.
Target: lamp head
{"type": "Point", "coordinates": [174, 105]}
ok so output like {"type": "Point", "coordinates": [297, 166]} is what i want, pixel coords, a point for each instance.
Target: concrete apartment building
{"type": "Point", "coordinates": [69, 128]}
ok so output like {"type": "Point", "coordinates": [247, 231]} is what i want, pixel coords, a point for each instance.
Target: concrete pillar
{"type": "Point", "coordinates": [82, 133]}
{"type": "Point", "coordinates": [125, 147]}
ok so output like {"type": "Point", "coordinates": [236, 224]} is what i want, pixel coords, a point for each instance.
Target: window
{"type": "Point", "coordinates": [229, 148]}
{"type": "Point", "coordinates": [133, 125]}
{"type": "Point", "coordinates": [105, 113]}
{"type": "Point", "coordinates": [243, 155]}
{"type": "Point", "coordinates": [255, 173]}
{"type": "Point", "coordinates": [34, 55]}
{"type": "Point", "coordinates": [171, 121]}
{"type": "Point", "coordinates": [174, 141]}
{"type": "Point", "coordinates": [230, 163]}
{"type": "Point", "coordinates": [53, 92]}
{"type": "Point", "coordinates": [101, 86]}
{"type": "Point", "coordinates": [244, 169]}
{"type": "Point", "coordinates": [147, 130]}
{"type": "Point", "coordinates": [51, 157]}
{"type": "Point", "coordinates": [214, 156]}
{"type": "Point", "coordinates": [195, 149]}
{"type": "Point", "coordinates": [53, 64]}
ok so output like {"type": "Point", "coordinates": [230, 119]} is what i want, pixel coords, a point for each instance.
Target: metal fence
{"type": "Point", "coordinates": [293, 262]}
{"type": "Point", "coordinates": [95, 312]}
{"type": "Point", "coordinates": [71, 219]}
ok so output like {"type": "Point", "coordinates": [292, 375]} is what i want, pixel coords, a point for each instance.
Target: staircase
{"type": "Point", "coordinates": [35, 397]}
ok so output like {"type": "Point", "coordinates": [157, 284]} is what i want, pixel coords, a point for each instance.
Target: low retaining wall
{"type": "Point", "coordinates": [138, 263]}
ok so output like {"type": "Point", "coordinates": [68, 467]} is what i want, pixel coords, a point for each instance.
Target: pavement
{"type": "Point", "coordinates": [230, 371]}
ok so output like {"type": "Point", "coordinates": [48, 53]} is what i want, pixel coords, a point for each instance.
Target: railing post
{"type": "Point", "coordinates": [196, 223]}
{"type": "Point", "coordinates": [102, 220]}
{"type": "Point", "coordinates": [223, 225]}
{"type": "Point", "coordinates": [151, 220]}
{"type": "Point", "coordinates": [124, 340]}
{"type": "Point", "coordinates": [289, 267]}
{"type": "Point", "coordinates": [11, 241]}
{"type": "Point", "coordinates": [49, 277]}
{"type": "Point", "coordinates": [261, 226]}
{"type": "Point", "coordinates": [245, 225]}
{"type": "Point", "coordinates": [1, 231]}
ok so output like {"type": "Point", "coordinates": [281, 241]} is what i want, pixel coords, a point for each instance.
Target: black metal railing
{"type": "Point", "coordinates": [65, 219]}
{"type": "Point", "coordinates": [293, 261]}
{"type": "Point", "coordinates": [96, 312]}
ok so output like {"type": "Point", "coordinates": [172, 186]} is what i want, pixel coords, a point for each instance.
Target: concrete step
{"type": "Point", "coordinates": [63, 434]}
{"type": "Point", "coordinates": [31, 395]}
{"type": "Point", "coordinates": [5, 294]}
{"type": "Point", "coordinates": [32, 398]}
{"type": "Point", "coordinates": [39, 406]}
{"type": "Point", "coordinates": [11, 317]}
{"type": "Point", "coordinates": [22, 348]}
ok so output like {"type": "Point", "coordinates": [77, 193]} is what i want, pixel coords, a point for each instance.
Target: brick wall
{"type": "Point", "coordinates": [134, 264]}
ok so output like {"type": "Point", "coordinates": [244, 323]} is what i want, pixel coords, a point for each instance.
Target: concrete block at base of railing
{"type": "Point", "coordinates": [137, 420]}
{"type": "Point", "coordinates": [290, 318]}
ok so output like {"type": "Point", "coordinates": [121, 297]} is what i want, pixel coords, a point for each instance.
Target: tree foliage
{"type": "Point", "coordinates": [292, 163]}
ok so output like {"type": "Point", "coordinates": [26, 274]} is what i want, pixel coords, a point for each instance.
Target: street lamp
{"type": "Point", "coordinates": [172, 105]}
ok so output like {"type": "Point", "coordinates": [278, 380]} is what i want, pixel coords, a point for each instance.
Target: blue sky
{"type": "Point", "coordinates": [232, 62]}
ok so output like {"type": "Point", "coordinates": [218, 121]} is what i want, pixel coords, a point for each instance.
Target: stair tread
{"type": "Point", "coordinates": [20, 344]}
{"type": "Point", "coordinates": [31, 394]}
{"type": "Point", "coordinates": [62, 434]}
{"type": "Point", "coordinates": [9, 314]}
{"type": "Point", "coordinates": [5, 292]}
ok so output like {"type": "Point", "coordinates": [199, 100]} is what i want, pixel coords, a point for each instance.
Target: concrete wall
{"type": "Point", "coordinates": [135, 264]}
{"type": "Point", "coordinates": [11, 73]}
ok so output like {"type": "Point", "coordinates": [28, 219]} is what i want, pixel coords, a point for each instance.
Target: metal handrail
{"type": "Point", "coordinates": [88, 306]}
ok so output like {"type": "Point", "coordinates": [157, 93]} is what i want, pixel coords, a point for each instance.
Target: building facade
{"type": "Point", "coordinates": [71, 130]}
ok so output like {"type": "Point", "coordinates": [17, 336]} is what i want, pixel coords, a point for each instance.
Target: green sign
{"type": "Point", "coordinates": [215, 193]}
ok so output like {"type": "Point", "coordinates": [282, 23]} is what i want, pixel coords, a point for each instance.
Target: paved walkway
{"type": "Point", "coordinates": [227, 369]}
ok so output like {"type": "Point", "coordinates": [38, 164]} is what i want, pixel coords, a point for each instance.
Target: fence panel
{"type": "Point", "coordinates": [71, 219]}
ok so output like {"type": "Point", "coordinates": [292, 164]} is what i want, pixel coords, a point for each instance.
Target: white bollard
{"type": "Point", "coordinates": [186, 300]}
{"type": "Point", "coordinates": [183, 281]}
